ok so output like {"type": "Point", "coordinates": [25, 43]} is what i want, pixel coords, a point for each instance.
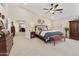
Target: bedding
{"type": "Point", "coordinates": [45, 33]}
{"type": "Point", "coordinates": [48, 34]}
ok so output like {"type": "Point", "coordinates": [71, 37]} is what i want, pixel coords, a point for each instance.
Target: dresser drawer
{"type": "Point", "coordinates": [74, 36]}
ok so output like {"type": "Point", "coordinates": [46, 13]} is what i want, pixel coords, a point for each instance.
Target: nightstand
{"type": "Point", "coordinates": [32, 34]}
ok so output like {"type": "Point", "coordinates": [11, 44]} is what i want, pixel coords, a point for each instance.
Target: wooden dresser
{"type": "Point", "coordinates": [74, 29]}
{"type": "Point", "coordinates": [6, 42]}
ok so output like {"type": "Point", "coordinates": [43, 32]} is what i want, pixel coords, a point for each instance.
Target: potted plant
{"type": "Point", "coordinates": [66, 30]}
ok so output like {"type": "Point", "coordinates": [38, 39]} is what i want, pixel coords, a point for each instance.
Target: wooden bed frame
{"type": "Point", "coordinates": [39, 36]}
{"type": "Point", "coordinates": [42, 38]}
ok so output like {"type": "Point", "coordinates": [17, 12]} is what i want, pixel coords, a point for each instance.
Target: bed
{"type": "Point", "coordinates": [42, 32]}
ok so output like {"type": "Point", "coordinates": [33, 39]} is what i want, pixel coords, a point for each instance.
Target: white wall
{"type": "Point", "coordinates": [20, 13]}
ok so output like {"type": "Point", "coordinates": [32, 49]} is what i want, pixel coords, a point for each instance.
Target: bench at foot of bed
{"type": "Point", "coordinates": [56, 37]}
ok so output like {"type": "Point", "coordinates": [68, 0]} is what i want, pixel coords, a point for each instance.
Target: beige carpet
{"type": "Point", "coordinates": [36, 47]}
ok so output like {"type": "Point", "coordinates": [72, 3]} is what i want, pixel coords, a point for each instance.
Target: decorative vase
{"type": "Point", "coordinates": [66, 30]}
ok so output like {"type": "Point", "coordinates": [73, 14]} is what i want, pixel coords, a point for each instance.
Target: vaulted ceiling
{"type": "Point", "coordinates": [70, 10]}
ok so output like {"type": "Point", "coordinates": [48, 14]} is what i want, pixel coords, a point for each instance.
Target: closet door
{"type": "Point", "coordinates": [73, 27]}
{"type": "Point", "coordinates": [74, 30]}
{"type": "Point", "coordinates": [78, 27]}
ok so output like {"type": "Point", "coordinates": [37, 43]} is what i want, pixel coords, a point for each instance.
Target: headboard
{"type": "Point", "coordinates": [40, 28]}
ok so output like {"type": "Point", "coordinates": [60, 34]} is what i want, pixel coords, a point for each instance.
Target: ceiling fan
{"type": "Point", "coordinates": [53, 9]}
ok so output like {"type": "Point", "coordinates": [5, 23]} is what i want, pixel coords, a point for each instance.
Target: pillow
{"type": "Point", "coordinates": [38, 31]}
{"type": "Point", "coordinates": [44, 28]}
{"type": "Point", "coordinates": [41, 28]}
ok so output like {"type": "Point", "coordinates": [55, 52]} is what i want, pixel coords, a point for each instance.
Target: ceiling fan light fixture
{"type": "Point", "coordinates": [54, 8]}
{"type": "Point", "coordinates": [51, 11]}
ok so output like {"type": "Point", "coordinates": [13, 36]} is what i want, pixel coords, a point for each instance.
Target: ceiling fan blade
{"type": "Point", "coordinates": [61, 12]}
{"type": "Point", "coordinates": [45, 9]}
{"type": "Point", "coordinates": [51, 6]}
{"type": "Point", "coordinates": [53, 13]}
{"type": "Point", "coordinates": [56, 5]}
{"type": "Point", "coordinates": [47, 12]}
{"type": "Point", "coordinates": [58, 9]}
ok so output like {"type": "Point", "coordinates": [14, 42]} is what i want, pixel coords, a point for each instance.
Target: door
{"type": "Point", "coordinates": [73, 27]}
